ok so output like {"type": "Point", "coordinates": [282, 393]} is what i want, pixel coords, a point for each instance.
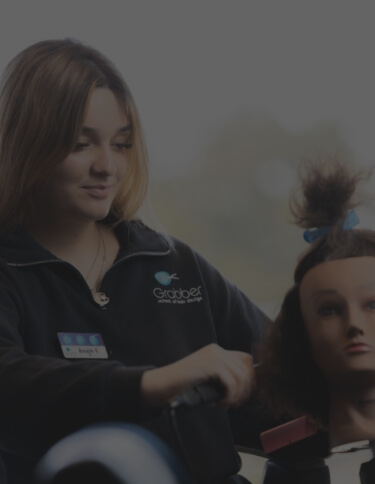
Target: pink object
{"type": "Point", "coordinates": [287, 434]}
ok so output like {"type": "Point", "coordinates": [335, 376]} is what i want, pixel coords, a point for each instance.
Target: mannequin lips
{"type": "Point", "coordinates": [358, 348]}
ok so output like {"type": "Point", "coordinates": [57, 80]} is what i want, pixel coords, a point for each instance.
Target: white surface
{"type": "Point", "coordinates": [343, 468]}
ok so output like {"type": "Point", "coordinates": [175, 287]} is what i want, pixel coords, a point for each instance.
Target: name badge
{"type": "Point", "coordinates": [82, 345]}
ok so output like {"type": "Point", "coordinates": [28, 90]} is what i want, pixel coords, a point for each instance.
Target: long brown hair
{"type": "Point", "coordinates": [289, 381]}
{"type": "Point", "coordinates": [44, 93]}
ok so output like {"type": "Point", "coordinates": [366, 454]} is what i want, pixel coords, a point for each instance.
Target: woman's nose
{"type": "Point", "coordinates": [104, 163]}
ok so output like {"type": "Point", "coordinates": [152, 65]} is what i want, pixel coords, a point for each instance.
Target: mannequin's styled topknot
{"type": "Point", "coordinates": [327, 193]}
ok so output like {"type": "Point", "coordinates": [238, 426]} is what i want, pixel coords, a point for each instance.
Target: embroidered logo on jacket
{"type": "Point", "coordinates": [175, 295]}
{"type": "Point", "coordinates": [164, 277]}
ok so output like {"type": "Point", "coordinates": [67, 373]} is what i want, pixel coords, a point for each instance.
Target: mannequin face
{"type": "Point", "coordinates": [86, 182]}
{"type": "Point", "coordinates": [338, 309]}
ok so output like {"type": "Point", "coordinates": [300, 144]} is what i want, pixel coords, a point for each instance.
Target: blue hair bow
{"type": "Point", "coordinates": [310, 235]}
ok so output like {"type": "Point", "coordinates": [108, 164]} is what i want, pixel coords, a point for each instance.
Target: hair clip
{"type": "Point", "coordinates": [310, 235]}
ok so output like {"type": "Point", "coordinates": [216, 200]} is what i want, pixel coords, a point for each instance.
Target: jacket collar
{"type": "Point", "coordinates": [135, 236]}
{"type": "Point", "coordinates": [17, 246]}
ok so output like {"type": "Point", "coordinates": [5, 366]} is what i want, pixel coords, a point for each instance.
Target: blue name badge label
{"type": "Point", "coordinates": [82, 345]}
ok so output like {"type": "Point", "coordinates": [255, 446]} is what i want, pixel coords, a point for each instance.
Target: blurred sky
{"type": "Point", "coordinates": [194, 65]}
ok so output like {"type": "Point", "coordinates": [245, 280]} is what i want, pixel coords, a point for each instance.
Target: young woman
{"type": "Point", "coordinates": [101, 318]}
{"type": "Point", "coordinates": [319, 357]}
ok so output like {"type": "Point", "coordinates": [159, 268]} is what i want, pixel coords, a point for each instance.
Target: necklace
{"type": "Point", "coordinates": [96, 256]}
{"type": "Point", "coordinates": [104, 257]}
{"type": "Point", "coordinates": [99, 297]}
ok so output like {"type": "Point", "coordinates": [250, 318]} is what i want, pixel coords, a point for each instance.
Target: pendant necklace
{"type": "Point", "coordinates": [99, 297]}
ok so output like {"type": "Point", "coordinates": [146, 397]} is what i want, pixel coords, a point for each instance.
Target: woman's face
{"type": "Point", "coordinates": [86, 182]}
{"type": "Point", "coordinates": [338, 309]}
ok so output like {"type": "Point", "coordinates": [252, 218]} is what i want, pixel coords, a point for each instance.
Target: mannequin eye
{"type": "Point", "coordinates": [370, 305]}
{"type": "Point", "coordinates": [328, 310]}
{"type": "Point", "coordinates": [81, 146]}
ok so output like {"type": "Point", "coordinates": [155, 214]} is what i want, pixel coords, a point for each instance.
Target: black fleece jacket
{"type": "Point", "coordinates": [163, 305]}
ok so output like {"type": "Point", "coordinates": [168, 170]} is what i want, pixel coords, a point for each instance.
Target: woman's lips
{"type": "Point", "coordinates": [98, 191]}
{"type": "Point", "coordinates": [358, 348]}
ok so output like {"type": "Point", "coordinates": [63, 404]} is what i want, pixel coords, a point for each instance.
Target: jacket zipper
{"type": "Point", "coordinates": [123, 259]}
{"type": "Point", "coordinates": [129, 256]}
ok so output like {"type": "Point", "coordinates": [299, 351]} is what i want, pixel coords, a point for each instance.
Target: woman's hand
{"type": "Point", "coordinates": [232, 369]}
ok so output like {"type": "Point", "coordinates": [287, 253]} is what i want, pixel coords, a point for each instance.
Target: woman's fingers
{"type": "Point", "coordinates": [237, 377]}
{"type": "Point", "coordinates": [233, 369]}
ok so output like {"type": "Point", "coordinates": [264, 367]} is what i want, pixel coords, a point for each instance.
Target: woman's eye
{"type": "Point", "coordinates": [371, 305]}
{"type": "Point", "coordinates": [123, 146]}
